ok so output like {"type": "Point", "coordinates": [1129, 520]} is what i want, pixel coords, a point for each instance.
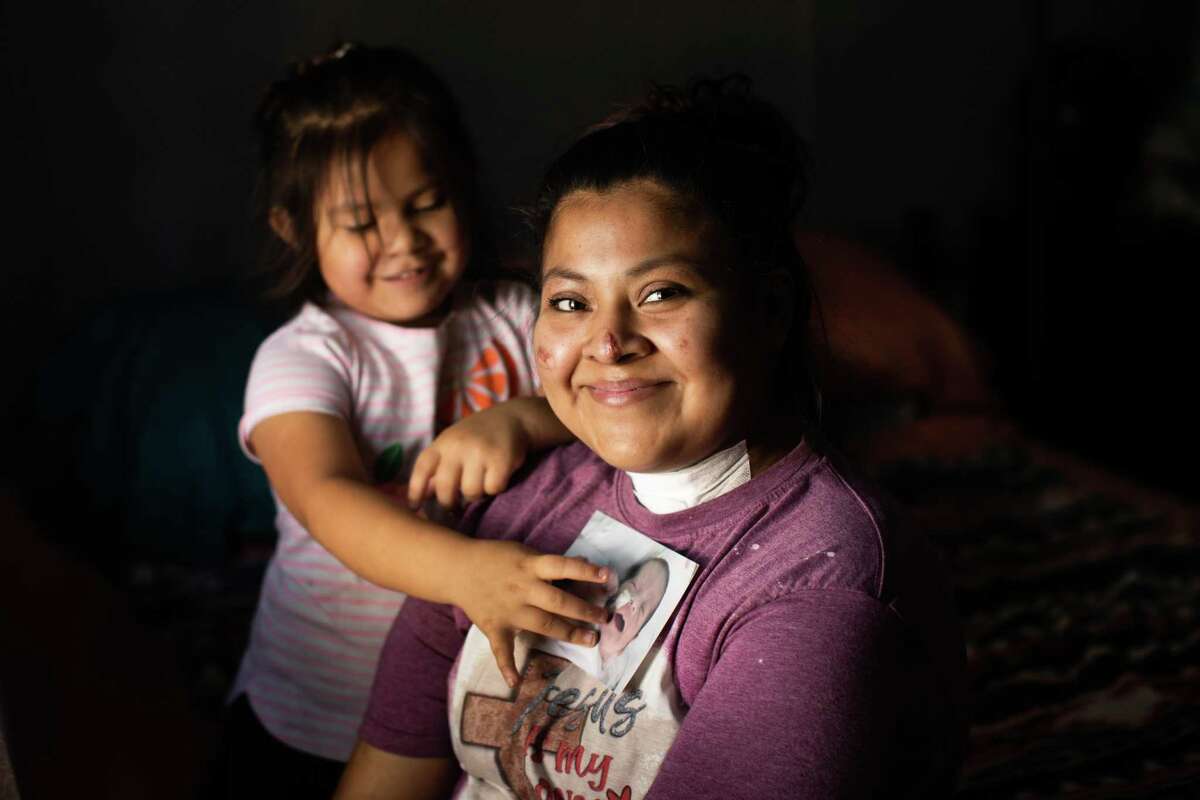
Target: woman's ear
{"type": "Point", "coordinates": [281, 223]}
{"type": "Point", "coordinates": [777, 304]}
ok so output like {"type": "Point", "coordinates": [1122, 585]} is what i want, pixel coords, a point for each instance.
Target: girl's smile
{"type": "Point", "coordinates": [396, 250]}
{"type": "Point", "coordinates": [638, 335]}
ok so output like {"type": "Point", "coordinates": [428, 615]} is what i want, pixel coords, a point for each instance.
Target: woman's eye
{"type": "Point", "coordinates": [662, 293]}
{"type": "Point", "coordinates": [565, 304]}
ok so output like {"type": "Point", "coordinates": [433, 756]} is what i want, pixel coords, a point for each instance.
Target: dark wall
{"type": "Point", "coordinates": [131, 120]}
{"type": "Point", "coordinates": [942, 135]}
{"type": "Point", "coordinates": [138, 114]}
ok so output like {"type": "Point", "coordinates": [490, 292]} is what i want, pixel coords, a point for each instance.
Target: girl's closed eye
{"type": "Point", "coordinates": [360, 226]}
{"type": "Point", "coordinates": [429, 200]}
{"type": "Point", "coordinates": [355, 218]}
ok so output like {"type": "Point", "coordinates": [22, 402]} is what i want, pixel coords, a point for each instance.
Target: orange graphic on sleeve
{"type": "Point", "coordinates": [491, 379]}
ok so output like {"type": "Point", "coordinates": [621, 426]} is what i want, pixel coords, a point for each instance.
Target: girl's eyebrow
{"type": "Point", "coordinates": [352, 207]}
{"type": "Point", "coordinates": [355, 206]}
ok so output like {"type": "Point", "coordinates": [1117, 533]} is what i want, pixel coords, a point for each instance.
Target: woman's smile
{"type": "Point", "coordinates": [619, 393]}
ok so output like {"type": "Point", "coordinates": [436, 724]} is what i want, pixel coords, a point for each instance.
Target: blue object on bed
{"type": "Point", "coordinates": [142, 405]}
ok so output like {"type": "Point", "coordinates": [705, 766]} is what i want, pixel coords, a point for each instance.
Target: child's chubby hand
{"type": "Point", "coordinates": [505, 587]}
{"type": "Point", "coordinates": [475, 456]}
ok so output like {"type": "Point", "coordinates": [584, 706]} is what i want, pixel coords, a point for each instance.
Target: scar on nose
{"type": "Point", "coordinates": [543, 357]}
{"type": "Point", "coordinates": [609, 347]}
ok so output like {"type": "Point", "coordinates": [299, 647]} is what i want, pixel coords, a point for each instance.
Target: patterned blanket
{"type": "Point", "coordinates": [1080, 595]}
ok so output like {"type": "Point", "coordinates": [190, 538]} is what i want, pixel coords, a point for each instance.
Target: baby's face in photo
{"type": "Point", "coordinates": [634, 601]}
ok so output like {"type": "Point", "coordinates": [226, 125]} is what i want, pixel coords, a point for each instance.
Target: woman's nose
{"type": "Point", "coordinates": [615, 338]}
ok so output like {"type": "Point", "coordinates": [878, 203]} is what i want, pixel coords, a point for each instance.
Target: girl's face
{"type": "Point", "coordinates": [397, 257]}
{"type": "Point", "coordinates": [645, 347]}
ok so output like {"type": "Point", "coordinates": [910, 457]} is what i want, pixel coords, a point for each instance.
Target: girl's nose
{"type": "Point", "coordinates": [402, 236]}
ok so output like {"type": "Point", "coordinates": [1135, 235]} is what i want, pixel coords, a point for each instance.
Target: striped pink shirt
{"type": "Point", "coordinates": [319, 628]}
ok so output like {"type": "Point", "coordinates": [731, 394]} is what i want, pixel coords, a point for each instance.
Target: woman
{"type": "Point", "coordinates": [815, 653]}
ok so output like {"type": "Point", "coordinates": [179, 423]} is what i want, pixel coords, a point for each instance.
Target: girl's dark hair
{"type": "Point", "coordinates": [332, 109]}
{"type": "Point", "coordinates": [730, 156]}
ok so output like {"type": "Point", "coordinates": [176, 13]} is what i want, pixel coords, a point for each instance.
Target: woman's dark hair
{"type": "Point", "coordinates": [334, 108]}
{"type": "Point", "coordinates": [730, 156]}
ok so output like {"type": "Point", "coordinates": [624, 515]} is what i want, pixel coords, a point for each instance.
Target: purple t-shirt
{"type": "Point", "coordinates": [815, 654]}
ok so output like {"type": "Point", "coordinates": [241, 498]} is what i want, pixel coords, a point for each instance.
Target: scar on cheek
{"type": "Point", "coordinates": [543, 357]}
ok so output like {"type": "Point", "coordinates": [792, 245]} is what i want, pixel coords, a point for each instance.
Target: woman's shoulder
{"type": "Point", "coordinates": [829, 528]}
{"type": "Point", "coordinates": [834, 530]}
{"type": "Point", "coordinates": [852, 497]}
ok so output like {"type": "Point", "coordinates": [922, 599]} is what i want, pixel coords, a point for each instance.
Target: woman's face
{"type": "Point", "coordinates": [646, 350]}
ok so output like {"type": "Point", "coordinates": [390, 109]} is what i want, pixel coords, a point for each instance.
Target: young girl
{"type": "Point", "coordinates": [368, 183]}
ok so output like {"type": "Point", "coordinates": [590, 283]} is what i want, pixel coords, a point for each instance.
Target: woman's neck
{"type": "Point", "coordinates": [721, 472]}
{"type": "Point", "coordinates": [707, 479]}
{"type": "Point", "coordinates": [772, 439]}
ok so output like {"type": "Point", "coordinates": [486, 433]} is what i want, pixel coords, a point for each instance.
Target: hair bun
{"type": "Point", "coordinates": [335, 53]}
{"type": "Point", "coordinates": [724, 115]}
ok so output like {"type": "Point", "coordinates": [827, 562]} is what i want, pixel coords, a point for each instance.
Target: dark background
{"type": "Point", "coordinates": [1033, 166]}
{"type": "Point", "coordinates": [1000, 153]}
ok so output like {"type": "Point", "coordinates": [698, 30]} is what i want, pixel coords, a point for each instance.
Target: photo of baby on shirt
{"type": "Point", "coordinates": [648, 581]}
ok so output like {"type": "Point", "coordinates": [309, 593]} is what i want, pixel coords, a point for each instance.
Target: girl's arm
{"type": "Point", "coordinates": [405, 731]}
{"type": "Point", "coordinates": [478, 454]}
{"type": "Point", "coordinates": [314, 466]}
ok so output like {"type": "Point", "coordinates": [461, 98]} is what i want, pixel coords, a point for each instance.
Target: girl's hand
{"type": "Point", "coordinates": [505, 587]}
{"type": "Point", "coordinates": [479, 453]}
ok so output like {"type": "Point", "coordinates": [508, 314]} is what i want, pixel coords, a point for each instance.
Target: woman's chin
{"type": "Point", "coordinates": [647, 448]}
{"type": "Point", "coordinates": [640, 455]}
{"type": "Point", "coordinates": [629, 456]}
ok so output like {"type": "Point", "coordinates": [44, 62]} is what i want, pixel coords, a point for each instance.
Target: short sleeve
{"type": "Point", "coordinates": [307, 365]}
{"type": "Point", "coordinates": [801, 702]}
{"type": "Point", "coordinates": [407, 713]}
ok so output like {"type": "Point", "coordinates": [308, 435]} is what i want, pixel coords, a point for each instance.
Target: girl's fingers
{"type": "Point", "coordinates": [554, 627]}
{"type": "Point", "coordinates": [584, 637]}
{"type": "Point", "coordinates": [558, 568]}
{"type": "Point", "coordinates": [446, 483]}
{"type": "Point", "coordinates": [423, 471]}
{"type": "Point", "coordinates": [472, 482]}
{"type": "Point", "coordinates": [564, 604]}
{"type": "Point", "coordinates": [501, 640]}
{"type": "Point", "coordinates": [495, 477]}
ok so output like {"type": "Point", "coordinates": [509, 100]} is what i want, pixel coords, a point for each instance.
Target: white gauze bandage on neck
{"type": "Point", "coordinates": [666, 492]}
